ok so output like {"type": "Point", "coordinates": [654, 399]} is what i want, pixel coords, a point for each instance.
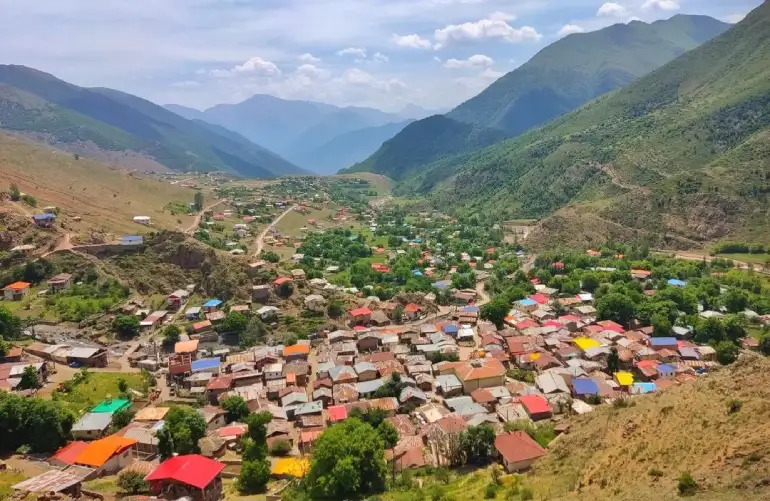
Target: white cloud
{"type": "Point", "coordinates": [660, 5]}
{"type": "Point", "coordinates": [611, 9]}
{"type": "Point", "coordinates": [379, 57]}
{"type": "Point", "coordinates": [309, 58]}
{"type": "Point", "coordinates": [501, 16]}
{"type": "Point", "coordinates": [358, 77]}
{"type": "Point", "coordinates": [485, 28]}
{"type": "Point", "coordinates": [569, 29]}
{"type": "Point", "coordinates": [352, 51]}
{"type": "Point", "coordinates": [734, 18]}
{"type": "Point", "coordinates": [186, 84]}
{"type": "Point", "coordinates": [411, 41]}
{"type": "Point", "coordinates": [310, 70]}
{"type": "Point", "coordinates": [257, 65]}
{"type": "Point", "coordinates": [476, 61]}
{"type": "Point", "coordinates": [491, 74]}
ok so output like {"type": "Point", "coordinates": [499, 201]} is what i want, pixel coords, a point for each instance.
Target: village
{"type": "Point", "coordinates": [454, 343]}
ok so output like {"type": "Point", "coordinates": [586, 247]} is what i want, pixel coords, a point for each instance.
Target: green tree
{"type": "Point", "coordinates": [184, 427]}
{"type": "Point", "coordinates": [133, 482]}
{"type": "Point", "coordinates": [234, 322]}
{"type": "Point", "coordinates": [735, 300]}
{"type": "Point", "coordinates": [253, 476]}
{"type": "Point", "coordinates": [764, 345]}
{"type": "Point", "coordinates": [709, 330]}
{"type": "Point", "coordinates": [613, 361]}
{"type": "Point", "coordinates": [496, 311]}
{"type": "Point", "coordinates": [735, 327]}
{"type": "Point", "coordinates": [280, 448]}
{"type": "Point", "coordinates": [477, 444]}
{"type": "Point", "coordinates": [270, 256]}
{"type": "Point", "coordinates": [29, 379]}
{"type": "Point", "coordinates": [10, 324]}
{"type": "Point", "coordinates": [122, 418]}
{"type": "Point", "coordinates": [122, 385]}
{"type": "Point", "coordinates": [254, 334]}
{"type": "Point", "coordinates": [236, 407]}
{"type": "Point", "coordinates": [398, 314]}
{"type": "Point", "coordinates": [348, 462]}
{"type": "Point", "coordinates": [590, 282]}
{"type": "Point", "coordinates": [42, 425]}
{"type": "Point", "coordinates": [391, 388]}
{"type": "Point", "coordinates": [727, 352]}
{"type": "Point", "coordinates": [388, 434]}
{"type": "Point", "coordinates": [687, 485]}
{"type": "Point", "coordinates": [126, 326]}
{"type": "Point", "coordinates": [171, 335]}
{"type": "Point", "coordinates": [15, 192]}
{"type": "Point", "coordinates": [661, 325]}
{"type": "Point", "coordinates": [617, 307]}
{"type": "Point", "coordinates": [335, 308]}
{"type": "Point", "coordinates": [198, 201]}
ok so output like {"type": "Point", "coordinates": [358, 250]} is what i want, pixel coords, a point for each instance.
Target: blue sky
{"type": "Point", "coordinates": [380, 53]}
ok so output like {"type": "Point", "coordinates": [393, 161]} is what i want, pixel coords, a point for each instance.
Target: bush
{"type": "Point", "coordinates": [280, 448]}
{"type": "Point", "coordinates": [734, 406]}
{"type": "Point", "coordinates": [133, 482]}
{"type": "Point", "coordinates": [443, 475]}
{"type": "Point", "coordinates": [687, 485]}
{"type": "Point", "coordinates": [654, 472]}
{"type": "Point", "coordinates": [491, 491]}
{"type": "Point", "coordinates": [526, 494]}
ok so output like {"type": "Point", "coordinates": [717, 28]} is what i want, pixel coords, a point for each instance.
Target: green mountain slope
{"type": "Point", "coordinates": [55, 111]}
{"type": "Point", "coordinates": [424, 142]}
{"type": "Point", "coordinates": [581, 67]}
{"type": "Point", "coordinates": [683, 153]}
{"type": "Point", "coordinates": [348, 148]}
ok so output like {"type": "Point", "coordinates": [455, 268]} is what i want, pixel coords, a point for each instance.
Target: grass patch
{"type": "Point", "coordinates": [104, 485]}
{"type": "Point", "coordinates": [97, 387]}
{"type": "Point", "coordinates": [7, 479]}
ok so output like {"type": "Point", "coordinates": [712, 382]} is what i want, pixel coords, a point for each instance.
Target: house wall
{"type": "Point", "coordinates": [367, 376]}
{"type": "Point", "coordinates": [514, 466]}
{"type": "Point", "coordinates": [475, 384]}
{"type": "Point", "coordinates": [87, 434]}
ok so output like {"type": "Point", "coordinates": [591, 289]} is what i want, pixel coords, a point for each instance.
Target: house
{"type": "Point", "coordinates": [448, 385]}
{"type": "Point", "coordinates": [279, 282]}
{"type": "Point", "coordinates": [193, 476]}
{"type": "Point", "coordinates": [153, 320]}
{"type": "Point", "coordinates": [298, 274]}
{"type": "Point", "coordinates": [67, 454]}
{"type": "Point", "coordinates": [60, 282]}
{"type": "Point", "coordinates": [67, 482]}
{"type": "Point", "coordinates": [659, 343]}
{"type": "Point", "coordinates": [366, 371]}
{"type": "Point", "coordinates": [273, 371]}
{"type": "Point", "coordinates": [132, 240]}
{"type": "Point", "coordinates": [202, 327]}
{"type": "Point", "coordinates": [518, 451]}
{"type": "Point", "coordinates": [92, 426]}
{"type": "Point", "coordinates": [412, 397]}
{"type": "Point", "coordinates": [537, 406]}
{"type": "Point", "coordinates": [315, 302]}
{"type": "Point", "coordinates": [584, 388]}
{"type": "Point", "coordinates": [296, 352]}
{"type": "Point", "coordinates": [145, 220]}
{"type": "Point", "coordinates": [368, 342]}
{"type": "Point", "coordinates": [177, 299]}
{"type": "Point", "coordinates": [111, 406]}
{"type": "Point", "coordinates": [412, 311]}
{"type": "Point", "coordinates": [268, 313]}
{"type": "Point", "coordinates": [343, 374]}
{"type": "Point", "coordinates": [107, 455]}
{"type": "Point", "coordinates": [192, 314]}
{"type": "Point", "coordinates": [212, 305]}
{"type": "Point", "coordinates": [260, 293]}
{"type": "Point", "coordinates": [380, 318]}
{"type": "Point", "coordinates": [44, 220]}
{"type": "Point", "coordinates": [360, 316]}
{"type": "Point", "coordinates": [478, 373]}
{"type": "Point", "coordinates": [16, 291]}
{"type": "Point", "coordinates": [665, 371]}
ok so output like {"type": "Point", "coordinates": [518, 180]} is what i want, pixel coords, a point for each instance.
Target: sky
{"type": "Point", "coordinates": [378, 53]}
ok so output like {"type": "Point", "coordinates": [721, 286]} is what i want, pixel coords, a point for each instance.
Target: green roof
{"type": "Point", "coordinates": [112, 405]}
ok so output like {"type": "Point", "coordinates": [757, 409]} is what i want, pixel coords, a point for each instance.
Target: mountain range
{"type": "Point", "coordinates": [316, 136]}
{"type": "Point", "coordinates": [680, 156]}
{"type": "Point", "coordinates": [560, 78]}
{"type": "Point", "coordinates": [127, 130]}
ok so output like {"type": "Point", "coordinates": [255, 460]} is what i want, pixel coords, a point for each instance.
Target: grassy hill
{"type": "Point", "coordinates": [424, 142]}
{"type": "Point", "coordinates": [639, 452]}
{"type": "Point", "coordinates": [680, 153]}
{"type": "Point", "coordinates": [581, 67]}
{"type": "Point", "coordinates": [105, 199]}
{"type": "Point", "coordinates": [80, 119]}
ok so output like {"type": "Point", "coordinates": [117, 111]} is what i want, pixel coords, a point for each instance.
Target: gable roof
{"type": "Point", "coordinates": [518, 446]}
{"type": "Point", "coordinates": [193, 469]}
{"type": "Point", "coordinates": [100, 451]}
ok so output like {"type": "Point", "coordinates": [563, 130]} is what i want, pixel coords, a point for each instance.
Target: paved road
{"type": "Point", "coordinates": [261, 238]}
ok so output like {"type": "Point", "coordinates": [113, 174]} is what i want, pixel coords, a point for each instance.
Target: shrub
{"type": "Point", "coordinates": [133, 482]}
{"type": "Point", "coordinates": [491, 491]}
{"type": "Point", "coordinates": [734, 406]}
{"type": "Point", "coordinates": [654, 472]}
{"type": "Point", "coordinates": [687, 485]}
{"type": "Point", "coordinates": [526, 494]}
{"type": "Point", "coordinates": [280, 448]}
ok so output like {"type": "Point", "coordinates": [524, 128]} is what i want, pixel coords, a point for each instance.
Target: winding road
{"type": "Point", "coordinates": [197, 220]}
{"type": "Point", "coordinates": [260, 241]}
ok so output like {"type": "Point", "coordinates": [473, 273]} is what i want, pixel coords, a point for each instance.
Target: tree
{"type": "Point", "coordinates": [496, 311]}
{"type": "Point", "coordinates": [735, 300]}
{"type": "Point", "coordinates": [254, 334]}
{"type": "Point", "coordinates": [236, 407]}
{"type": "Point", "coordinates": [348, 462]}
{"type": "Point", "coordinates": [388, 434]}
{"type": "Point", "coordinates": [477, 443]}
{"type": "Point", "coordinates": [253, 476]}
{"type": "Point", "coordinates": [613, 361]}
{"type": "Point", "coordinates": [735, 327]}
{"type": "Point", "coordinates": [198, 201]}
{"type": "Point", "coordinates": [335, 308]}
{"type": "Point", "coordinates": [391, 388]}
{"type": "Point", "coordinates": [43, 425]}
{"type": "Point", "coordinates": [15, 192]}
{"type": "Point", "coordinates": [709, 330]}
{"type": "Point", "coordinates": [398, 314]}
{"type": "Point", "coordinates": [617, 307]}
{"type": "Point", "coordinates": [126, 326]}
{"type": "Point", "coordinates": [183, 428]}
{"type": "Point", "coordinates": [10, 324]}
{"type": "Point", "coordinates": [270, 256]}
{"type": "Point", "coordinates": [285, 289]}
{"type": "Point", "coordinates": [255, 470]}
{"type": "Point", "coordinates": [234, 322]}
{"type": "Point", "coordinates": [122, 385]}
{"type": "Point", "coordinates": [122, 418]}
{"type": "Point", "coordinates": [727, 352]}
{"type": "Point", "coordinates": [171, 335]}
{"type": "Point", "coordinates": [590, 282]}
{"type": "Point", "coordinates": [687, 485]}
{"type": "Point", "coordinates": [280, 448]}
{"type": "Point", "coordinates": [29, 379]}
{"type": "Point", "coordinates": [133, 482]}
{"type": "Point", "coordinates": [764, 345]}
{"type": "Point", "coordinates": [661, 325]}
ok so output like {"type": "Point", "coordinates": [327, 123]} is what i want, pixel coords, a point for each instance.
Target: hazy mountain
{"type": "Point", "coordinates": [60, 113]}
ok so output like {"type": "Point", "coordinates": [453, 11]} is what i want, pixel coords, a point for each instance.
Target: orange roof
{"type": "Point", "coordinates": [200, 325]}
{"type": "Point", "coordinates": [186, 346]}
{"type": "Point", "coordinates": [100, 451]}
{"type": "Point", "coordinates": [478, 369]}
{"type": "Point", "coordinates": [296, 349]}
{"type": "Point", "coordinates": [412, 308]}
{"type": "Point", "coordinates": [17, 286]}
{"type": "Point", "coordinates": [282, 280]}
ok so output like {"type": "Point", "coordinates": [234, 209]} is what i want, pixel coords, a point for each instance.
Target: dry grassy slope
{"type": "Point", "coordinates": [106, 199]}
{"type": "Point", "coordinates": [609, 453]}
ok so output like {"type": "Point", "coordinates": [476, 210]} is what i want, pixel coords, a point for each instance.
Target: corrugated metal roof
{"type": "Point", "coordinates": [99, 421]}
{"type": "Point", "coordinates": [50, 481]}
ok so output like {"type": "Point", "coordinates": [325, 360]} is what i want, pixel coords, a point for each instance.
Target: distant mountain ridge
{"type": "Point", "coordinates": [298, 130]}
{"type": "Point", "coordinates": [560, 78]}
{"type": "Point", "coordinates": [52, 110]}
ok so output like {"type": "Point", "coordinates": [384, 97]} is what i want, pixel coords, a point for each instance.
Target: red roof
{"type": "Point", "coordinates": [552, 323]}
{"type": "Point", "coordinates": [337, 413]}
{"type": "Point", "coordinates": [231, 431]}
{"type": "Point", "coordinates": [194, 470]}
{"type": "Point", "coordinates": [518, 446]}
{"type": "Point", "coordinates": [568, 318]}
{"type": "Point", "coordinates": [612, 326]}
{"type": "Point", "coordinates": [558, 264]}
{"type": "Point", "coordinates": [282, 280]}
{"type": "Point", "coordinates": [70, 452]}
{"type": "Point", "coordinates": [412, 308]}
{"type": "Point", "coordinates": [526, 324]}
{"type": "Point", "coordinates": [360, 311]}
{"type": "Point", "coordinates": [220, 383]}
{"type": "Point", "coordinates": [535, 404]}
{"type": "Point", "coordinates": [539, 299]}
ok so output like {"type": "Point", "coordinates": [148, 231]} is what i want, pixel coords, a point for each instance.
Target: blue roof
{"type": "Point", "coordinates": [676, 282]}
{"type": "Point", "coordinates": [471, 309]}
{"type": "Point", "coordinates": [662, 341]}
{"type": "Point", "coordinates": [665, 368]}
{"type": "Point", "coordinates": [417, 273]}
{"type": "Point", "coordinates": [205, 363]}
{"type": "Point", "coordinates": [212, 302]}
{"type": "Point", "coordinates": [645, 387]}
{"type": "Point", "coordinates": [585, 386]}
{"type": "Point", "coordinates": [132, 237]}
{"type": "Point", "coordinates": [527, 302]}
{"type": "Point", "coordinates": [43, 217]}
{"type": "Point", "coordinates": [417, 240]}
{"type": "Point", "coordinates": [450, 328]}
{"type": "Point", "coordinates": [442, 284]}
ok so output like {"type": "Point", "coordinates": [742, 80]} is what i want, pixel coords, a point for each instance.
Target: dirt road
{"type": "Point", "coordinates": [694, 256]}
{"type": "Point", "coordinates": [260, 241]}
{"type": "Point", "coordinates": [197, 220]}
